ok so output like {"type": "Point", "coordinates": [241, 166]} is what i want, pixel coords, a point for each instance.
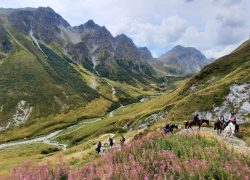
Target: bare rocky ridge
{"type": "Point", "coordinates": [185, 60]}
{"type": "Point", "coordinates": [88, 44]}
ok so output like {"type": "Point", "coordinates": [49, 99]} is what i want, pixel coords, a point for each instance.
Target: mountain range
{"type": "Point", "coordinates": [64, 89]}
{"type": "Point", "coordinates": [49, 67]}
{"type": "Point", "coordinates": [184, 60]}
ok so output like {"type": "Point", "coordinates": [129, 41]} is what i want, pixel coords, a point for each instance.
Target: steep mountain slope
{"type": "Point", "coordinates": [210, 92]}
{"type": "Point", "coordinates": [184, 60]}
{"type": "Point", "coordinates": [219, 88]}
{"type": "Point", "coordinates": [145, 53]}
{"type": "Point", "coordinates": [89, 44]}
{"type": "Point", "coordinates": [32, 85]}
{"type": "Point", "coordinates": [50, 69]}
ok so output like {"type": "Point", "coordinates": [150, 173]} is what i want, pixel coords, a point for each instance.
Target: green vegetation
{"type": "Point", "coordinates": [211, 88]}
{"type": "Point", "coordinates": [64, 73]}
{"type": "Point", "coordinates": [12, 156]}
{"type": "Point", "coordinates": [50, 150]}
{"type": "Point", "coordinates": [96, 108]}
{"type": "Point", "coordinates": [245, 132]}
{"type": "Point", "coordinates": [155, 156]}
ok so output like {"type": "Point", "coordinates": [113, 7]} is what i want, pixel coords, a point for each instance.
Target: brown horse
{"type": "Point", "coordinates": [138, 136]}
{"type": "Point", "coordinates": [190, 123]}
{"type": "Point", "coordinates": [219, 126]}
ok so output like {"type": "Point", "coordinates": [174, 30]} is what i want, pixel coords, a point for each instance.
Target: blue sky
{"type": "Point", "coordinates": [215, 27]}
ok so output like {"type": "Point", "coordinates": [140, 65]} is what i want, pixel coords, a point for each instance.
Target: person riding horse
{"type": "Point", "coordinates": [219, 125]}
{"type": "Point", "coordinates": [221, 118]}
{"type": "Point", "coordinates": [166, 128]}
{"type": "Point", "coordinates": [195, 122]}
{"type": "Point", "coordinates": [169, 128]}
{"type": "Point", "coordinates": [233, 119]}
{"type": "Point", "coordinates": [122, 140]}
{"type": "Point", "coordinates": [196, 119]}
{"type": "Point", "coordinates": [111, 142]}
{"type": "Point", "coordinates": [98, 147]}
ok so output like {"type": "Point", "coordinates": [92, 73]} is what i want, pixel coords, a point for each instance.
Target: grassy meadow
{"type": "Point", "coordinates": [155, 156]}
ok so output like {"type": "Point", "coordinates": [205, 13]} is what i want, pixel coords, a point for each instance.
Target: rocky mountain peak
{"type": "Point", "coordinates": [90, 24]}
{"type": "Point", "coordinates": [125, 41]}
{"type": "Point", "coordinates": [145, 53]}
{"type": "Point", "coordinates": [44, 22]}
{"type": "Point", "coordinates": [186, 59]}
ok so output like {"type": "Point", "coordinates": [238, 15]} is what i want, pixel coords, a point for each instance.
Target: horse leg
{"type": "Point", "coordinates": [186, 125]}
{"type": "Point", "coordinates": [225, 135]}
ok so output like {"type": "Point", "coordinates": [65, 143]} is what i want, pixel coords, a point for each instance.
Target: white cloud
{"type": "Point", "coordinates": [227, 27]}
{"type": "Point", "coordinates": [149, 34]}
{"type": "Point", "coordinates": [213, 26]}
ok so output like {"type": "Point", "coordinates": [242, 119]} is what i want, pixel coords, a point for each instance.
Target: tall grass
{"type": "Point", "coordinates": [154, 157]}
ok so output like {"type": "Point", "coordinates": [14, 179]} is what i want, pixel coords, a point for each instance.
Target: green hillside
{"type": "Point", "coordinates": [42, 86]}
{"type": "Point", "coordinates": [50, 85]}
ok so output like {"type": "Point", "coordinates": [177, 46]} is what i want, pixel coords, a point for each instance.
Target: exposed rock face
{"type": "Point", "coordinates": [237, 101]}
{"type": "Point", "coordinates": [44, 22]}
{"type": "Point", "coordinates": [23, 111]}
{"type": "Point", "coordinates": [5, 43]}
{"type": "Point", "coordinates": [145, 123]}
{"type": "Point", "coordinates": [45, 55]}
{"type": "Point", "coordinates": [185, 60]}
{"type": "Point", "coordinates": [145, 53]}
{"type": "Point", "coordinates": [113, 57]}
{"type": "Point", "coordinates": [88, 44]}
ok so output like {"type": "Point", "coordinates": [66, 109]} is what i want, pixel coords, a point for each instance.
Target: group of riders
{"type": "Point", "coordinates": [111, 143]}
{"type": "Point", "coordinates": [221, 124]}
{"type": "Point", "coordinates": [221, 121]}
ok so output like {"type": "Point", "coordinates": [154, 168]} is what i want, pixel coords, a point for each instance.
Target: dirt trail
{"type": "Point", "coordinates": [233, 142]}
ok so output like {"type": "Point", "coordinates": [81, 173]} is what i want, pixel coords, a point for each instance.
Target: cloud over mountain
{"type": "Point", "coordinates": [213, 26]}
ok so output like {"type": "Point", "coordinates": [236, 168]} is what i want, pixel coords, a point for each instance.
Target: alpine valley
{"type": "Point", "coordinates": [64, 88]}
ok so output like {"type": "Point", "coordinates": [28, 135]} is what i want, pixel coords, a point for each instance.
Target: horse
{"type": "Point", "coordinates": [229, 130]}
{"type": "Point", "coordinates": [171, 128]}
{"type": "Point", "coordinates": [190, 123]}
{"type": "Point", "coordinates": [138, 136]}
{"type": "Point", "coordinates": [219, 126]}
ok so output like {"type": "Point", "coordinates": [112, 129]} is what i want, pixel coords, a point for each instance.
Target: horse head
{"type": "Point", "coordinates": [176, 126]}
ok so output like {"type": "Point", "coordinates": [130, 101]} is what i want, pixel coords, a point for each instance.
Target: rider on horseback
{"type": "Point", "coordinates": [98, 147]}
{"type": "Point", "coordinates": [221, 118]}
{"type": "Point", "coordinates": [232, 119]}
{"type": "Point", "coordinates": [196, 118]}
{"type": "Point", "coordinates": [166, 128]}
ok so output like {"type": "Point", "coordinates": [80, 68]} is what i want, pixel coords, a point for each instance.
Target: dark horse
{"type": "Point", "coordinates": [190, 123]}
{"type": "Point", "coordinates": [170, 128]}
{"type": "Point", "coordinates": [138, 136]}
{"type": "Point", "coordinates": [219, 126]}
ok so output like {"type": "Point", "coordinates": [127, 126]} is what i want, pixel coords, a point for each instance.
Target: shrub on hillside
{"type": "Point", "coordinates": [50, 150]}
